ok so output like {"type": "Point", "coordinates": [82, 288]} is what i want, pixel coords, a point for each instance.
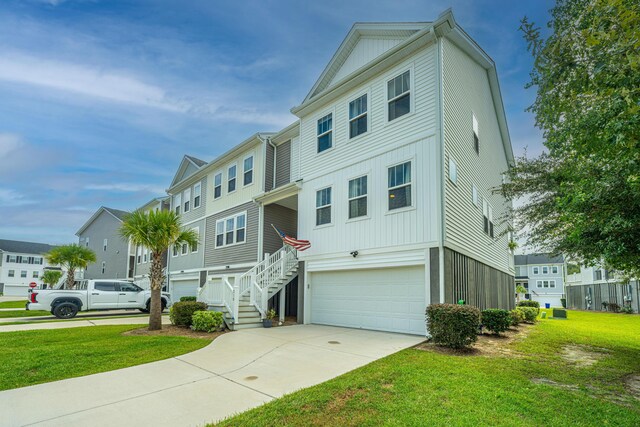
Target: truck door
{"type": "Point", "coordinates": [104, 296]}
{"type": "Point", "coordinates": [128, 295]}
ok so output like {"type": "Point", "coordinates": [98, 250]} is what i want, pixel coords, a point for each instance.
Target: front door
{"type": "Point", "coordinates": [104, 296]}
{"type": "Point", "coordinates": [128, 295]}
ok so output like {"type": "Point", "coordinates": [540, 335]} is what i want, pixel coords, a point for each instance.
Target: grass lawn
{"type": "Point", "coordinates": [75, 319]}
{"type": "Point", "coordinates": [23, 313]}
{"type": "Point", "coordinates": [34, 357]}
{"type": "Point", "coordinates": [13, 304]}
{"type": "Point", "coordinates": [533, 385]}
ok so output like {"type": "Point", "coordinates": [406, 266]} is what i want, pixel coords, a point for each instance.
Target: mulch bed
{"type": "Point", "coordinates": [487, 344]}
{"type": "Point", "coordinates": [176, 331]}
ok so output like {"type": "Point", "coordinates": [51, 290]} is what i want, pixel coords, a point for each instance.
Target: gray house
{"type": "Point", "coordinates": [142, 263]}
{"type": "Point", "coordinates": [543, 277]}
{"type": "Point", "coordinates": [115, 256]}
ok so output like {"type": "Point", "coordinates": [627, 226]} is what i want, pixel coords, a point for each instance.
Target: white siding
{"type": "Point", "coordinates": [466, 92]}
{"type": "Point", "coordinates": [366, 50]}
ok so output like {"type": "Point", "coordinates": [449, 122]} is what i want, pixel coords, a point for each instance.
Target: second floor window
{"type": "Point", "coordinates": [23, 273]}
{"type": "Point", "coordinates": [358, 197]}
{"type": "Point", "coordinates": [248, 170]}
{"type": "Point", "coordinates": [197, 195]}
{"type": "Point", "coordinates": [545, 270]}
{"type": "Point", "coordinates": [231, 230]}
{"type": "Point", "coordinates": [399, 183]}
{"type": "Point", "coordinates": [536, 270]}
{"type": "Point", "coordinates": [323, 206]}
{"type": "Point", "coordinates": [217, 185]}
{"type": "Point", "coordinates": [487, 214]}
{"type": "Point", "coordinates": [325, 133]}
{"type": "Point", "coordinates": [399, 95]}
{"type": "Point", "coordinates": [554, 269]}
{"type": "Point", "coordinates": [194, 248]}
{"type": "Point", "coordinates": [231, 179]}
{"type": "Point", "coordinates": [11, 273]}
{"type": "Point", "coordinates": [104, 245]}
{"type": "Point", "coordinates": [358, 116]}
{"type": "Point", "coordinates": [145, 255]}
{"type": "Point", "coordinates": [177, 203]}
{"type": "Point", "coordinates": [187, 200]}
{"type": "Point", "coordinates": [476, 134]}
{"type": "Point", "coordinates": [139, 254]}
{"type": "Point", "coordinates": [104, 266]}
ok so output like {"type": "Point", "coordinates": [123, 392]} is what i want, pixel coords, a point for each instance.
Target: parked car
{"type": "Point", "coordinates": [93, 295]}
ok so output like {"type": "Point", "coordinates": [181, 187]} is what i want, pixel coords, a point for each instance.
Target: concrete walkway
{"type": "Point", "coordinates": [238, 371]}
{"type": "Point", "coordinates": [140, 320]}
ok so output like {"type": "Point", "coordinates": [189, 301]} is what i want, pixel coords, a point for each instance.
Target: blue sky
{"type": "Point", "coordinates": [99, 100]}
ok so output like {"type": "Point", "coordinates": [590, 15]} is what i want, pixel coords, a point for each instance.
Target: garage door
{"type": "Point", "coordinates": [389, 299]}
{"type": "Point", "coordinates": [184, 288]}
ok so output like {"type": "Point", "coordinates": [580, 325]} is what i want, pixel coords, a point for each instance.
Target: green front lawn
{"type": "Point", "coordinates": [23, 313]}
{"type": "Point", "coordinates": [534, 385]}
{"type": "Point", "coordinates": [34, 357]}
{"type": "Point", "coordinates": [13, 304]}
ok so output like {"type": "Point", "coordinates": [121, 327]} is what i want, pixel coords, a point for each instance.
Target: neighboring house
{"type": "Point", "coordinates": [20, 264]}
{"type": "Point", "coordinates": [388, 172]}
{"type": "Point", "coordinates": [142, 263]}
{"type": "Point", "coordinates": [592, 286]}
{"type": "Point", "coordinates": [114, 255]}
{"type": "Point", "coordinates": [543, 277]}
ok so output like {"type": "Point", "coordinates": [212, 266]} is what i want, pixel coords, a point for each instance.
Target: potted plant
{"type": "Point", "coordinates": [268, 321]}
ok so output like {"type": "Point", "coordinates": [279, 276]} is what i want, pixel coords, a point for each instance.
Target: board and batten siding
{"type": "Point", "coordinates": [285, 219]}
{"type": "Point", "coordinates": [246, 252]}
{"type": "Point", "coordinates": [283, 164]}
{"type": "Point", "coordinates": [466, 91]}
{"type": "Point", "coordinates": [603, 292]}
{"type": "Point", "coordinates": [192, 260]}
{"type": "Point", "coordinates": [381, 228]}
{"type": "Point", "coordinates": [382, 135]}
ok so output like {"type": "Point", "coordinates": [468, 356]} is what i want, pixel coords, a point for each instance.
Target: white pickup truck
{"type": "Point", "coordinates": [92, 295]}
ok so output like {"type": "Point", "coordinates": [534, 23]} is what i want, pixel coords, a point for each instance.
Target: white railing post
{"type": "Point", "coordinates": [282, 302]}
{"type": "Point", "coordinates": [236, 300]}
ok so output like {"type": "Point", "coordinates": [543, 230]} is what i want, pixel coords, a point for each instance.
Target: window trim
{"type": "Point", "coordinates": [235, 178]}
{"type": "Point", "coordinates": [535, 270]}
{"type": "Point", "coordinates": [333, 128]}
{"type": "Point", "coordinates": [197, 185]}
{"type": "Point", "coordinates": [554, 267]}
{"type": "Point", "coordinates": [177, 203]}
{"type": "Point", "coordinates": [221, 174]}
{"type": "Point", "coordinates": [545, 267]}
{"type": "Point", "coordinates": [359, 95]}
{"type": "Point", "coordinates": [390, 76]}
{"type": "Point", "coordinates": [453, 165]}
{"type": "Point", "coordinates": [413, 184]}
{"type": "Point", "coordinates": [139, 255]}
{"type": "Point", "coordinates": [235, 230]}
{"type": "Point", "coordinates": [475, 126]}
{"type": "Point", "coordinates": [184, 249]}
{"type": "Point", "coordinates": [316, 207]}
{"type": "Point", "coordinates": [11, 273]}
{"type": "Point", "coordinates": [253, 164]}
{"type": "Point", "coordinates": [145, 255]}
{"type": "Point", "coordinates": [175, 252]}
{"type": "Point", "coordinates": [186, 201]}
{"type": "Point", "coordinates": [474, 196]}
{"type": "Point", "coordinates": [361, 217]}
{"type": "Point", "coordinates": [197, 231]}
{"type": "Point", "coordinates": [104, 266]}
{"type": "Point", "coordinates": [105, 245]}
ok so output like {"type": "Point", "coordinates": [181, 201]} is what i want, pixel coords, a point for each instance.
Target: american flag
{"type": "Point", "coordinates": [300, 245]}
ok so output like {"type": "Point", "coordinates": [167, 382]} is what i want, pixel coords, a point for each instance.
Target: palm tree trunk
{"type": "Point", "coordinates": [71, 276]}
{"type": "Point", "coordinates": [155, 316]}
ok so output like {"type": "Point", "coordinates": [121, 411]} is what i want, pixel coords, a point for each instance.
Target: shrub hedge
{"type": "Point", "coordinates": [530, 314]}
{"type": "Point", "coordinates": [206, 321]}
{"type": "Point", "coordinates": [516, 317]}
{"type": "Point", "coordinates": [529, 303]}
{"type": "Point", "coordinates": [183, 299]}
{"type": "Point", "coordinates": [182, 312]}
{"type": "Point", "coordinates": [496, 320]}
{"type": "Point", "coordinates": [453, 325]}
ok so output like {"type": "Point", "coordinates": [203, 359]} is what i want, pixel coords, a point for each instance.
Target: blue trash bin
{"type": "Point", "coordinates": [547, 305]}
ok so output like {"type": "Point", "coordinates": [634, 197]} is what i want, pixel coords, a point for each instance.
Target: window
{"type": "Point", "coordinates": [104, 245]}
{"type": "Point", "coordinates": [358, 197]}
{"type": "Point", "coordinates": [248, 170]}
{"type": "Point", "coordinates": [194, 248]}
{"type": "Point", "coordinates": [187, 200]}
{"type": "Point", "coordinates": [184, 249]}
{"type": "Point", "coordinates": [11, 273]}
{"type": "Point", "coordinates": [476, 134]}
{"type": "Point", "coordinates": [545, 270]}
{"type": "Point", "coordinates": [145, 255]}
{"type": "Point", "coordinates": [598, 274]}
{"type": "Point", "coordinates": [399, 96]}
{"type": "Point", "coordinates": [325, 133]}
{"type": "Point", "coordinates": [539, 284]}
{"type": "Point", "coordinates": [554, 269]}
{"type": "Point", "coordinates": [231, 179]}
{"type": "Point", "coordinates": [35, 275]}
{"type": "Point", "coordinates": [23, 273]}
{"type": "Point", "coordinates": [86, 242]}
{"type": "Point", "coordinates": [552, 283]}
{"type": "Point", "coordinates": [105, 286]}
{"type": "Point", "coordinates": [231, 230]}
{"type": "Point", "coordinates": [197, 193]}
{"type": "Point", "coordinates": [11, 258]}
{"type": "Point", "coordinates": [453, 171]}
{"type": "Point", "coordinates": [487, 213]}
{"type": "Point", "coordinates": [358, 116]}
{"type": "Point", "coordinates": [536, 270]}
{"type": "Point", "coordinates": [139, 254]}
{"type": "Point", "coordinates": [104, 266]}
{"type": "Point", "coordinates": [399, 186]}
{"type": "Point", "coordinates": [177, 203]}
{"type": "Point", "coordinates": [323, 206]}
{"type": "Point", "coordinates": [474, 195]}
{"type": "Point", "coordinates": [39, 261]}
{"type": "Point", "coordinates": [129, 287]}
{"type": "Point", "coordinates": [174, 251]}
{"type": "Point", "coordinates": [19, 259]}
{"type": "Point", "coordinates": [217, 185]}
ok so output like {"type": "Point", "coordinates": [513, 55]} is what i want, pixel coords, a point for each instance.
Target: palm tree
{"type": "Point", "coordinates": [71, 257]}
{"type": "Point", "coordinates": [156, 231]}
{"type": "Point", "coordinates": [51, 277]}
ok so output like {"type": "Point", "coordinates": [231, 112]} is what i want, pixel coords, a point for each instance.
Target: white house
{"type": "Point", "coordinates": [21, 263]}
{"type": "Point", "coordinates": [388, 173]}
{"type": "Point", "coordinates": [543, 277]}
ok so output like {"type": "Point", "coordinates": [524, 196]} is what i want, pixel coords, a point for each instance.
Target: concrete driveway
{"type": "Point", "coordinates": [238, 371]}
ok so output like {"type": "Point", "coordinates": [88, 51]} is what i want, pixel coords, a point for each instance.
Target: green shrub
{"type": "Point", "coordinates": [627, 309]}
{"type": "Point", "coordinates": [615, 307]}
{"type": "Point", "coordinates": [183, 299]}
{"type": "Point", "coordinates": [529, 303]}
{"type": "Point", "coordinates": [206, 321]}
{"type": "Point", "coordinates": [516, 317]}
{"type": "Point", "coordinates": [181, 312]}
{"type": "Point", "coordinates": [530, 314]}
{"type": "Point", "coordinates": [453, 325]}
{"type": "Point", "coordinates": [496, 320]}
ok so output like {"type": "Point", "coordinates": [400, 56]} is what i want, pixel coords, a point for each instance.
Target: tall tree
{"type": "Point", "coordinates": [582, 196]}
{"type": "Point", "coordinates": [71, 257]}
{"type": "Point", "coordinates": [51, 277]}
{"type": "Point", "coordinates": [157, 231]}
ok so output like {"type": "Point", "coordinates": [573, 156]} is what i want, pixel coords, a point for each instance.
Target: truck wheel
{"type": "Point", "coordinates": [148, 309]}
{"type": "Point", "coordinates": [65, 310]}
{"type": "Point", "coordinates": [144, 310]}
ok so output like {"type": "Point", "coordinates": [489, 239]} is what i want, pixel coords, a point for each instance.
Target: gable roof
{"type": "Point", "coordinates": [116, 213]}
{"type": "Point", "coordinates": [538, 259]}
{"type": "Point", "coordinates": [24, 247]}
{"type": "Point", "coordinates": [184, 165]}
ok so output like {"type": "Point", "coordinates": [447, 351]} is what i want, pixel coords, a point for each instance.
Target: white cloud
{"type": "Point", "coordinates": [11, 198]}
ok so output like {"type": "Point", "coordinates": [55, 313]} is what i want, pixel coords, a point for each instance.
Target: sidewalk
{"type": "Point", "coordinates": [140, 320]}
